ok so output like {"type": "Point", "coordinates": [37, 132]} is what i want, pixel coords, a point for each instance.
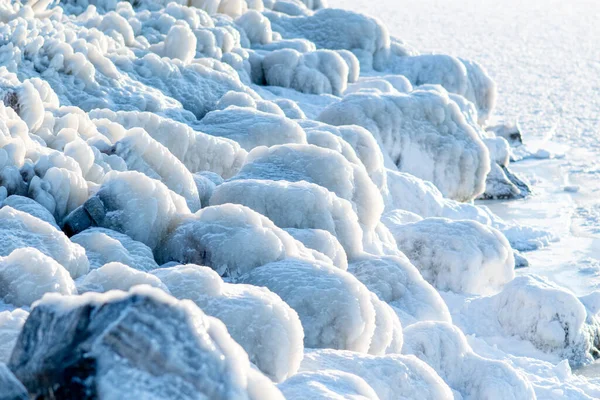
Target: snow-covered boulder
{"type": "Point", "coordinates": [143, 343]}
{"type": "Point", "coordinates": [334, 307]}
{"type": "Point", "coordinates": [266, 327]}
{"type": "Point", "coordinates": [140, 207]}
{"type": "Point", "coordinates": [196, 150]}
{"type": "Point", "coordinates": [424, 133]}
{"type": "Point", "coordinates": [391, 376]}
{"type": "Point", "coordinates": [103, 246]}
{"type": "Point", "coordinates": [116, 276]}
{"type": "Point", "coordinates": [336, 29]}
{"type": "Point", "coordinates": [327, 384]}
{"type": "Point", "coordinates": [323, 167]}
{"type": "Point", "coordinates": [323, 242]}
{"type": "Point", "coordinates": [252, 128]}
{"type": "Point", "coordinates": [549, 316]}
{"type": "Point", "coordinates": [444, 348]}
{"type": "Point", "coordinates": [316, 72]}
{"type": "Point", "coordinates": [19, 229]}
{"type": "Point", "coordinates": [144, 154]}
{"type": "Point", "coordinates": [297, 205]}
{"type": "Point", "coordinates": [397, 282]}
{"type": "Point", "coordinates": [27, 274]}
{"type": "Point", "coordinates": [207, 237]}
{"type": "Point", "coordinates": [31, 207]}
{"type": "Point", "coordinates": [462, 256]}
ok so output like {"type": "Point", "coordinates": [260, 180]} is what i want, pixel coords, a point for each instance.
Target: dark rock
{"type": "Point", "coordinates": [139, 344]}
{"type": "Point", "coordinates": [10, 387]}
{"type": "Point", "coordinates": [95, 209]}
{"type": "Point", "coordinates": [77, 221]}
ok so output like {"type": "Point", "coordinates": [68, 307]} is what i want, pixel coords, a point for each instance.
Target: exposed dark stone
{"type": "Point", "coordinates": [77, 221]}
{"type": "Point", "coordinates": [140, 342]}
{"type": "Point", "coordinates": [95, 208]}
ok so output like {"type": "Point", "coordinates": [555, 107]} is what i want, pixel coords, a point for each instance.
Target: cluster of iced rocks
{"type": "Point", "coordinates": [258, 199]}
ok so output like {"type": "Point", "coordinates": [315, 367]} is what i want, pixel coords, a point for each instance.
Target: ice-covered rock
{"type": "Point", "coordinates": [207, 237]}
{"type": "Point", "coordinates": [103, 246]}
{"type": "Point", "coordinates": [316, 72]}
{"type": "Point", "coordinates": [196, 150]}
{"type": "Point", "coordinates": [31, 207]}
{"type": "Point", "coordinates": [327, 384]}
{"type": "Point", "coordinates": [140, 207]}
{"type": "Point", "coordinates": [334, 307]}
{"type": "Point", "coordinates": [116, 276]}
{"type": "Point", "coordinates": [143, 343]}
{"type": "Point", "coordinates": [391, 376]}
{"type": "Point", "coordinates": [252, 128]}
{"type": "Point", "coordinates": [397, 282]}
{"type": "Point", "coordinates": [144, 154]}
{"type": "Point", "coordinates": [19, 229]}
{"type": "Point", "coordinates": [323, 242]}
{"type": "Point", "coordinates": [296, 205]}
{"type": "Point", "coordinates": [549, 316]}
{"type": "Point", "coordinates": [423, 133]}
{"type": "Point", "coordinates": [462, 256]}
{"type": "Point", "coordinates": [27, 274]}
{"type": "Point", "coordinates": [323, 167]}
{"type": "Point", "coordinates": [444, 348]}
{"type": "Point", "coordinates": [266, 327]}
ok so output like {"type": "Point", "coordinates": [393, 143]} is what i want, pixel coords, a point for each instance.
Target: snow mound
{"type": "Point", "coordinates": [423, 133]}
{"type": "Point", "coordinates": [30, 207]}
{"type": "Point", "coordinates": [158, 347]}
{"type": "Point", "coordinates": [196, 150]}
{"type": "Point", "coordinates": [391, 376]}
{"type": "Point", "coordinates": [103, 246]}
{"type": "Point", "coordinates": [266, 327]}
{"type": "Point", "coordinates": [323, 167]}
{"type": "Point", "coordinates": [207, 237]}
{"type": "Point", "coordinates": [316, 72]}
{"type": "Point", "coordinates": [252, 128]}
{"type": "Point", "coordinates": [144, 154]}
{"type": "Point", "coordinates": [334, 307]}
{"type": "Point", "coordinates": [140, 207]}
{"type": "Point", "coordinates": [336, 29]}
{"type": "Point", "coordinates": [444, 348]}
{"type": "Point", "coordinates": [398, 283]}
{"type": "Point", "coordinates": [323, 242]}
{"type": "Point", "coordinates": [19, 229]}
{"type": "Point", "coordinates": [327, 384]}
{"type": "Point", "coordinates": [551, 317]}
{"type": "Point", "coordinates": [116, 276]}
{"type": "Point", "coordinates": [297, 205]}
{"type": "Point", "coordinates": [27, 274]}
{"type": "Point", "coordinates": [462, 256]}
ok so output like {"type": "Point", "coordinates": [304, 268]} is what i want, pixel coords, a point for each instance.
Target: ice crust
{"type": "Point", "coordinates": [252, 199]}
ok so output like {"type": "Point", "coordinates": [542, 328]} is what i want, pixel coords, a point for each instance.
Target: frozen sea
{"type": "Point", "coordinates": [545, 60]}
